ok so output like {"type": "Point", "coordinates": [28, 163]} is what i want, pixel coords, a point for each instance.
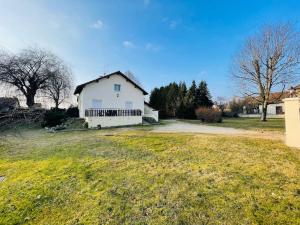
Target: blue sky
{"type": "Point", "coordinates": [159, 41]}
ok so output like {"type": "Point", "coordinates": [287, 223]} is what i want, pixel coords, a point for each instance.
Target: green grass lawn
{"type": "Point", "coordinates": [139, 177]}
{"type": "Point", "coordinates": [271, 124]}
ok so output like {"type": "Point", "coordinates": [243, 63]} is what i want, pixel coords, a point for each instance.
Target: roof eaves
{"type": "Point", "coordinates": [79, 88]}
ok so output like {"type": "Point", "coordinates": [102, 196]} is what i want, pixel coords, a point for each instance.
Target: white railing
{"type": "Point", "coordinates": [108, 112]}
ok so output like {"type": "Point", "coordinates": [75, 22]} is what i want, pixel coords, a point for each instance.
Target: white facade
{"type": "Point", "coordinates": [113, 121]}
{"type": "Point", "coordinates": [150, 112]}
{"type": "Point", "coordinates": [111, 92]}
{"type": "Point", "coordinates": [103, 92]}
{"type": "Point", "coordinates": [274, 109]}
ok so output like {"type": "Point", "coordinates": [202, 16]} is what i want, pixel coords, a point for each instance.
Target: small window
{"type": "Point", "coordinates": [279, 110]}
{"type": "Point", "coordinates": [117, 87]}
{"type": "Point", "coordinates": [96, 104]}
{"type": "Point", "coordinates": [128, 105]}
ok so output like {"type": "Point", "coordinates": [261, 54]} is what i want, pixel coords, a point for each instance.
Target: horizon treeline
{"type": "Point", "coordinates": [177, 101]}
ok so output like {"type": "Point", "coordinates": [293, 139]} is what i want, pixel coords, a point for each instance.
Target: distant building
{"type": "Point", "coordinates": [275, 106]}
{"type": "Point", "coordinates": [8, 104]}
{"type": "Point", "coordinates": [37, 106]}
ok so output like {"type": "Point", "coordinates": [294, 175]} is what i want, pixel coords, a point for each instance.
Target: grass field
{"type": "Point", "coordinates": [271, 124]}
{"type": "Point", "coordinates": [139, 177]}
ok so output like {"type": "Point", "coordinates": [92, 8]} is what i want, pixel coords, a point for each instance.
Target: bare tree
{"type": "Point", "coordinates": [268, 60]}
{"type": "Point", "coordinates": [59, 85]}
{"type": "Point", "coordinates": [29, 71]}
{"type": "Point", "coordinates": [133, 77]}
{"type": "Point", "coordinates": [221, 103]}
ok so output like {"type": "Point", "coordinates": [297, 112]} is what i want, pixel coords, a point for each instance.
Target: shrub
{"type": "Point", "coordinates": [230, 114]}
{"type": "Point", "coordinates": [72, 112]}
{"type": "Point", "coordinates": [236, 107]}
{"type": "Point", "coordinates": [85, 125]}
{"type": "Point", "coordinates": [54, 117]}
{"type": "Point", "coordinates": [209, 115]}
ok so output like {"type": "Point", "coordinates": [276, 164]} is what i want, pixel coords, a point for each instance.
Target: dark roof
{"type": "Point", "coordinates": [148, 104]}
{"type": "Point", "coordinates": [80, 87]}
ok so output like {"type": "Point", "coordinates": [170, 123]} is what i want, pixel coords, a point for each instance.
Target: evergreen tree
{"type": "Point", "coordinates": [155, 98]}
{"type": "Point", "coordinates": [203, 97]}
{"type": "Point", "coordinates": [158, 100]}
{"type": "Point", "coordinates": [172, 99]}
{"type": "Point", "coordinates": [163, 102]}
{"type": "Point", "coordinates": [182, 92]}
{"type": "Point", "coordinates": [191, 102]}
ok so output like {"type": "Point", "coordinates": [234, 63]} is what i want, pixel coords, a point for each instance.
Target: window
{"type": "Point", "coordinates": [128, 105]}
{"type": "Point", "coordinates": [96, 104]}
{"type": "Point", "coordinates": [117, 87]}
{"type": "Point", "coordinates": [279, 110]}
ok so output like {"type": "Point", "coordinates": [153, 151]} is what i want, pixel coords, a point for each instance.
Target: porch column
{"type": "Point", "coordinates": [292, 121]}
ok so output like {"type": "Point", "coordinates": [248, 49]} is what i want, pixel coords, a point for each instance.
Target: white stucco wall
{"type": "Point", "coordinates": [150, 112]}
{"type": "Point", "coordinates": [114, 121]}
{"type": "Point", "coordinates": [271, 110]}
{"type": "Point", "coordinates": [104, 90]}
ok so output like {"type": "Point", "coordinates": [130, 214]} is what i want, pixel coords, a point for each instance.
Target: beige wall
{"type": "Point", "coordinates": [292, 121]}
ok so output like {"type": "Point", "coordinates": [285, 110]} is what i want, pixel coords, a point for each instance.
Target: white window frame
{"type": "Point", "coordinates": [117, 89]}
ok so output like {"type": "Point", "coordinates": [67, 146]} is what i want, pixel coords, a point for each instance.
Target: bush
{"type": "Point", "coordinates": [54, 117]}
{"type": "Point", "coordinates": [236, 107]}
{"type": "Point", "coordinates": [72, 112]}
{"type": "Point", "coordinates": [209, 115]}
{"type": "Point", "coordinates": [230, 114]}
{"type": "Point", "coordinates": [85, 125]}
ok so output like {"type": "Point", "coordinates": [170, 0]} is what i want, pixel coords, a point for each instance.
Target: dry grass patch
{"type": "Point", "coordinates": [139, 177]}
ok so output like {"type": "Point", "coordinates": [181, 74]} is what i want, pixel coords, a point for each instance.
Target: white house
{"type": "Point", "coordinates": [113, 100]}
{"type": "Point", "coordinates": [275, 106]}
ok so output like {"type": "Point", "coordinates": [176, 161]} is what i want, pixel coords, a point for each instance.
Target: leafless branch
{"type": "Point", "coordinates": [268, 60]}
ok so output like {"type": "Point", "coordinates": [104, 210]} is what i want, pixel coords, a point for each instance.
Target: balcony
{"type": "Point", "coordinates": [107, 112]}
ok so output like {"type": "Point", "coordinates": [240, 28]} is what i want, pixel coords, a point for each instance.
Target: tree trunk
{"type": "Point", "coordinates": [264, 111]}
{"type": "Point", "coordinates": [30, 100]}
{"type": "Point", "coordinates": [56, 103]}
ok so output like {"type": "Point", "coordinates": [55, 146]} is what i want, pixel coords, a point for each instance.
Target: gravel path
{"type": "Point", "coordinates": [178, 126]}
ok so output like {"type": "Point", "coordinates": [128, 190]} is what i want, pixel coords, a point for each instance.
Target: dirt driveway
{"type": "Point", "coordinates": [175, 126]}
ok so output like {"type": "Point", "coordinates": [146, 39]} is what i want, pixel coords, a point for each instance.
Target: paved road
{"type": "Point", "coordinates": [179, 127]}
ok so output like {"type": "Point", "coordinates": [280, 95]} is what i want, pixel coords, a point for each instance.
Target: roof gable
{"type": "Point", "coordinates": [79, 88]}
{"type": "Point", "coordinates": [275, 98]}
